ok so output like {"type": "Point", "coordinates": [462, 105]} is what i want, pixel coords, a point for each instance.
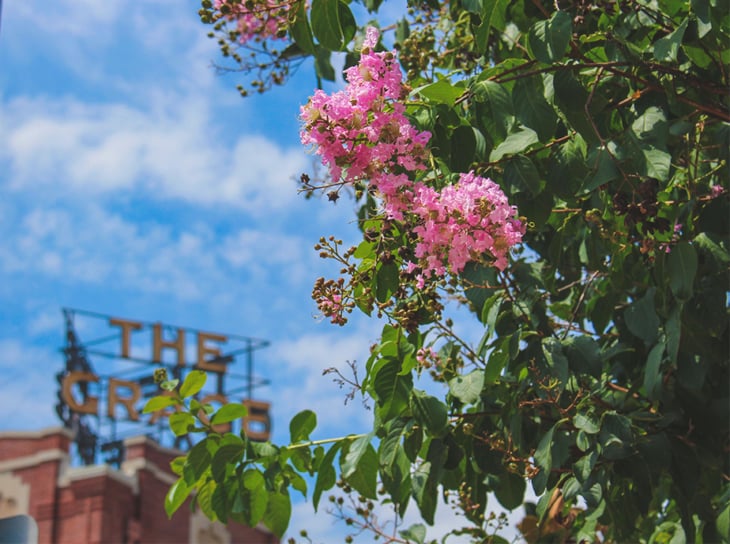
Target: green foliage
{"type": "Point", "coordinates": [601, 375]}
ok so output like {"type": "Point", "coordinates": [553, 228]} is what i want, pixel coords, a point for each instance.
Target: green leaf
{"type": "Point", "coordinates": [572, 99]}
{"type": "Point", "coordinates": [302, 425]}
{"type": "Point", "coordinates": [391, 443]}
{"type": "Point", "coordinates": [582, 441]}
{"type": "Point", "coordinates": [258, 497]}
{"type": "Point", "coordinates": [497, 360]}
{"type": "Point", "coordinates": [657, 162]}
{"type": "Point", "coordinates": [332, 23]}
{"type": "Point", "coordinates": [556, 360]}
{"type": "Point", "coordinates": [650, 161]}
{"type": "Point", "coordinates": [278, 513]}
{"type": "Point", "coordinates": [158, 403]}
{"type": "Point", "coordinates": [301, 32]}
{"type": "Point", "coordinates": [520, 172]}
{"type": "Point", "coordinates": [532, 109]}
{"type": "Point", "coordinates": [723, 524]}
{"type": "Point", "coordinates": [322, 65]}
{"type": "Point", "coordinates": [387, 278]}
{"type": "Point", "coordinates": [571, 488]}
{"type": "Point", "coordinates": [673, 331]}
{"type": "Point", "coordinates": [398, 482]}
{"type": "Point", "coordinates": [354, 452]}
{"type": "Point", "coordinates": [365, 250]}
{"type": "Point", "coordinates": [668, 532]}
{"type": "Point", "coordinates": [392, 389]}
{"type": "Point", "coordinates": [440, 92]}
{"type": "Point", "coordinates": [616, 436]}
{"type": "Point", "coordinates": [641, 318]}
{"type": "Point", "coordinates": [701, 9]}
{"type": "Point", "coordinates": [204, 498]}
{"type": "Point", "coordinates": [468, 388]}
{"type": "Point", "coordinates": [229, 412]}
{"type": "Point", "coordinates": [715, 247]}
{"type": "Point", "coordinates": [430, 412]}
{"type": "Point", "coordinates": [490, 312]}
{"type": "Point", "coordinates": [666, 48]}
{"type": "Point", "coordinates": [472, 6]}
{"type": "Point", "coordinates": [511, 490]}
{"type": "Point", "coordinates": [402, 30]}
{"type": "Point", "coordinates": [586, 423]}
{"type": "Point", "coordinates": [682, 267]}
{"type": "Point", "coordinates": [326, 476]}
{"type": "Point", "coordinates": [583, 467]}
{"type": "Point", "coordinates": [364, 478]}
{"type": "Point", "coordinates": [652, 372]}
{"type": "Point", "coordinates": [169, 385]}
{"type": "Point", "coordinates": [416, 533]}
{"type": "Point", "coordinates": [544, 460]}
{"type": "Point", "coordinates": [478, 281]}
{"type": "Point", "coordinates": [603, 169]}
{"type": "Point", "coordinates": [497, 102]}
{"type": "Point", "coordinates": [181, 422]}
{"type": "Point", "coordinates": [219, 503]}
{"type": "Point", "coordinates": [492, 16]}
{"type": "Point", "coordinates": [196, 462]}
{"type": "Point", "coordinates": [177, 464]}
{"type": "Point", "coordinates": [549, 39]}
{"type": "Point", "coordinates": [652, 127]}
{"type": "Point", "coordinates": [468, 143]}
{"type": "Point", "coordinates": [176, 495]}
{"type": "Point", "coordinates": [423, 492]}
{"type": "Point", "coordinates": [583, 354]}
{"type": "Point", "coordinates": [517, 142]}
{"type": "Point", "coordinates": [223, 457]}
{"type": "Point", "coordinates": [194, 382]}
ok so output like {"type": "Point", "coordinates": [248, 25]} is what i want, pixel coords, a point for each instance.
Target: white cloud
{"type": "Point", "coordinates": [85, 35]}
{"type": "Point", "coordinates": [79, 18]}
{"type": "Point", "coordinates": [90, 246]}
{"type": "Point", "coordinates": [168, 152]}
{"type": "Point", "coordinates": [31, 396]}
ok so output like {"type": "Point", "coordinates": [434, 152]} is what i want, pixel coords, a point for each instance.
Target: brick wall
{"type": "Point", "coordinates": [98, 504]}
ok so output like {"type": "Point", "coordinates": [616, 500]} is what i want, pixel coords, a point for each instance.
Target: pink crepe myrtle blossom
{"type": "Point", "coordinates": [716, 190]}
{"type": "Point", "coordinates": [428, 357]}
{"type": "Point", "coordinates": [361, 132]}
{"type": "Point", "coordinates": [462, 223]}
{"type": "Point", "coordinates": [259, 20]}
{"type": "Point", "coordinates": [331, 306]}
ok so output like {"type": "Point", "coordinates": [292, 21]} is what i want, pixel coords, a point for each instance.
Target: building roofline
{"type": "Point", "coordinates": [146, 440]}
{"type": "Point", "coordinates": [41, 433]}
{"type": "Point", "coordinates": [75, 474]}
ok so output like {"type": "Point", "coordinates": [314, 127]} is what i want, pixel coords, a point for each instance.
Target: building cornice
{"type": "Point", "coordinates": [33, 460]}
{"type": "Point", "coordinates": [42, 433]}
{"type": "Point", "coordinates": [147, 441]}
{"type": "Point", "coordinates": [134, 466]}
{"type": "Point", "coordinates": [76, 474]}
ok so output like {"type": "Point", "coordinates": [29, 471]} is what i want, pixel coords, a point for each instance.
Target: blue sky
{"type": "Point", "coordinates": [136, 182]}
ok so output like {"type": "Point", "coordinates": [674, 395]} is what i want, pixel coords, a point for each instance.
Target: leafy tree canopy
{"type": "Point", "coordinates": [561, 169]}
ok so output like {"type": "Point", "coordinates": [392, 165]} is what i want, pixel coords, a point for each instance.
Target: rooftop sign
{"type": "Point", "coordinates": [102, 403]}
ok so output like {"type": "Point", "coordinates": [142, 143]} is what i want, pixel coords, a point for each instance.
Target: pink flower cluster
{"type": "Point", "coordinates": [331, 307]}
{"type": "Point", "coordinates": [428, 357]}
{"type": "Point", "coordinates": [261, 20]}
{"type": "Point", "coordinates": [463, 222]}
{"type": "Point", "coordinates": [362, 132]}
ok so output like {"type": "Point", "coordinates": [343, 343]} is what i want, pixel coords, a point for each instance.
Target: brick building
{"type": "Point", "coordinates": [99, 504]}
